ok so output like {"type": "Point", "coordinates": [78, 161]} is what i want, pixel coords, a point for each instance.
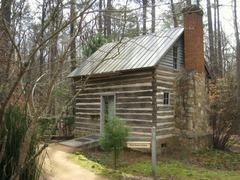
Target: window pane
{"type": "Point", "coordinates": [165, 98]}
{"type": "Point", "coordinates": [175, 54]}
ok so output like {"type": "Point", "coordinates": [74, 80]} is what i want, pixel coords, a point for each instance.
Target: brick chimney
{"type": "Point", "coordinates": [193, 39]}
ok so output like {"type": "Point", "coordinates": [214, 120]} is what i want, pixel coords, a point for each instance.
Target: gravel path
{"type": "Point", "coordinates": [57, 166]}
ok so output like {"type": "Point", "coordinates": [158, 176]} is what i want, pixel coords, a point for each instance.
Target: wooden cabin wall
{"type": "Point", "coordinates": [167, 60]}
{"type": "Point", "coordinates": [165, 77]}
{"type": "Point", "coordinates": [133, 92]}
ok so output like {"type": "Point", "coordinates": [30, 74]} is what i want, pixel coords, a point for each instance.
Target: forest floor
{"type": "Point", "coordinates": [58, 166]}
{"type": "Point", "coordinates": [207, 165]}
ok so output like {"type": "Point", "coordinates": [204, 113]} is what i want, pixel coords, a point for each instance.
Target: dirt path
{"type": "Point", "coordinates": [57, 166]}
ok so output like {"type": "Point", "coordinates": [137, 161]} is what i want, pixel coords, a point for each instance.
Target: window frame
{"type": "Point", "coordinates": [175, 57]}
{"type": "Point", "coordinates": [168, 98]}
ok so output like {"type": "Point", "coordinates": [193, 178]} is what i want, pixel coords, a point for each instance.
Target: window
{"type": "Point", "coordinates": [175, 54]}
{"type": "Point", "coordinates": [166, 98]}
{"type": "Point", "coordinates": [107, 110]}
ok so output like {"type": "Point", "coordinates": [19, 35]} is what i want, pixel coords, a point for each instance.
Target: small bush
{"type": "Point", "coordinates": [224, 112]}
{"type": "Point", "coordinates": [114, 137]}
{"type": "Point", "coordinates": [17, 123]}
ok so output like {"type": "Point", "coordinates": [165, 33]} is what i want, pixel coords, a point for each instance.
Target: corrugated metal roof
{"type": "Point", "coordinates": [139, 52]}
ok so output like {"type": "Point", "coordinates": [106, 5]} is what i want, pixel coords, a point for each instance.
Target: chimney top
{"type": "Point", "coordinates": [192, 9]}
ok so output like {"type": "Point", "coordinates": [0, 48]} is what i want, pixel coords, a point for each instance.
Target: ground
{"type": "Point", "coordinates": [62, 164]}
{"type": "Point", "coordinates": [207, 165]}
{"type": "Point", "coordinates": [58, 166]}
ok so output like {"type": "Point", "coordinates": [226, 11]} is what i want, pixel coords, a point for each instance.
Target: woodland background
{"type": "Point", "coordinates": [41, 42]}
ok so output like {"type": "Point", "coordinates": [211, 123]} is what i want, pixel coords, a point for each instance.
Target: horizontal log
{"type": "Point", "coordinates": [165, 125]}
{"type": "Point", "coordinates": [147, 92]}
{"type": "Point", "coordinates": [164, 85]}
{"type": "Point", "coordinates": [116, 89]}
{"type": "Point", "coordinates": [115, 83]}
{"type": "Point", "coordinates": [134, 94]}
{"type": "Point", "coordinates": [164, 113]}
{"type": "Point", "coordinates": [133, 75]}
{"type": "Point", "coordinates": [88, 96]}
{"type": "Point", "coordinates": [89, 100]}
{"type": "Point", "coordinates": [136, 120]}
{"type": "Point", "coordinates": [143, 123]}
{"type": "Point", "coordinates": [134, 105]}
{"type": "Point", "coordinates": [127, 110]}
{"type": "Point", "coordinates": [87, 110]}
{"type": "Point", "coordinates": [88, 106]}
{"type": "Point", "coordinates": [135, 116]}
{"type": "Point", "coordinates": [163, 68]}
{"type": "Point", "coordinates": [134, 99]}
{"type": "Point", "coordinates": [164, 131]}
{"type": "Point", "coordinates": [165, 78]}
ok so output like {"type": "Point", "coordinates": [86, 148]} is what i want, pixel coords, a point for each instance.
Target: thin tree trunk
{"type": "Point", "coordinates": [100, 17]}
{"type": "Point", "coordinates": [219, 41]}
{"type": "Point", "coordinates": [108, 18]}
{"type": "Point", "coordinates": [73, 52]}
{"type": "Point", "coordinates": [235, 18]}
{"type": "Point", "coordinates": [210, 36]}
{"type": "Point", "coordinates": [41, 56]}
{"type": "Point", "coordinates": [144, 17]}
{"type": "Point", "coordinates": [153, 16]}
{"type": "Point", "coordinates": [175, 22]}
{"type": "Point", "coordinates": [215, 40]}
{"type": "Point", "coordinates": [5, 20]}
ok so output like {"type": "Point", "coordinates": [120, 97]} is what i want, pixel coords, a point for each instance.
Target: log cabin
{"type": "Point", "coordinates": [135, 79]}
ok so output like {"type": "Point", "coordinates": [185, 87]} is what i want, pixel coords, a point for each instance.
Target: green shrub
{"type": "Point", "coordinates": [17, 124]}
{"type": "Point", "coordinates": [114, 137]}
{"type": "Point", "coordinates": [47, 126]}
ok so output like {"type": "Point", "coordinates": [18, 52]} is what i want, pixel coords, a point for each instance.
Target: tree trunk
{"type": "Point", "coordinates": [5, 20]}
{"type": "Point", "coordinates": [153, 16]}
{"type": "Point", "coordinates": [73, 52]}
{"type": "Point", "coordinates": [100, 17]}
{"type": "Point", "coordinates": [215, 40]}
{"type": "Point", "coordinates": [235, 18]}
{"type": "Point", "coordinates": [108, 18]}
{"type": "Point", "coordinates": [41, 56]}
{"type": "Point", "coordinates": [175, 22]}
{"type": "Point", "coordinates": [219, 41]}
{"type": "Point", "coordinates": [144, 17]}
{"type": "Point", "coordinates": [212, 57]}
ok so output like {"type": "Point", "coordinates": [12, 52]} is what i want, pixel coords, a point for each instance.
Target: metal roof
{"type": "Point", "coordinates": [139, 52]}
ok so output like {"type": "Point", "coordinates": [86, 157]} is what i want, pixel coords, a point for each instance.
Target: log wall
{"type": "Point", "coordinates": [165, 77]}
{"type": "Point", "coordinates": [133, 91]}
{"type": "Point", "coordinates": [139, 98]}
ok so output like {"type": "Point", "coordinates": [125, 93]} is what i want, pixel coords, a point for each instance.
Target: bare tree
{"type": "Point", "coordinates": [174, 16]}
{"type": "Point", "coordinates": [36, 106]}
{"type": "Point", "coordinates": [100, 23]}
{"type": "Point", "coordinates": [212, 57]}
{"type": "Point", "coordinates": [107, 19]}
{"type": "Point", "coordinates": [43, 19]}
{"type": "Point", "coordinates": [73, 52]}
{"type": "Point", "coordinates": [145, 2]}
{"type": "Point", "coordinates": [153, 16]}
{"type": "Point", "coordinates": [219, 40]}
{"type": "Point", "coordinates": [235, 18]}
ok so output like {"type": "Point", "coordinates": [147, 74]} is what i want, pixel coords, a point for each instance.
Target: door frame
{"type": "Point", "coordinates": [102, 109]}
